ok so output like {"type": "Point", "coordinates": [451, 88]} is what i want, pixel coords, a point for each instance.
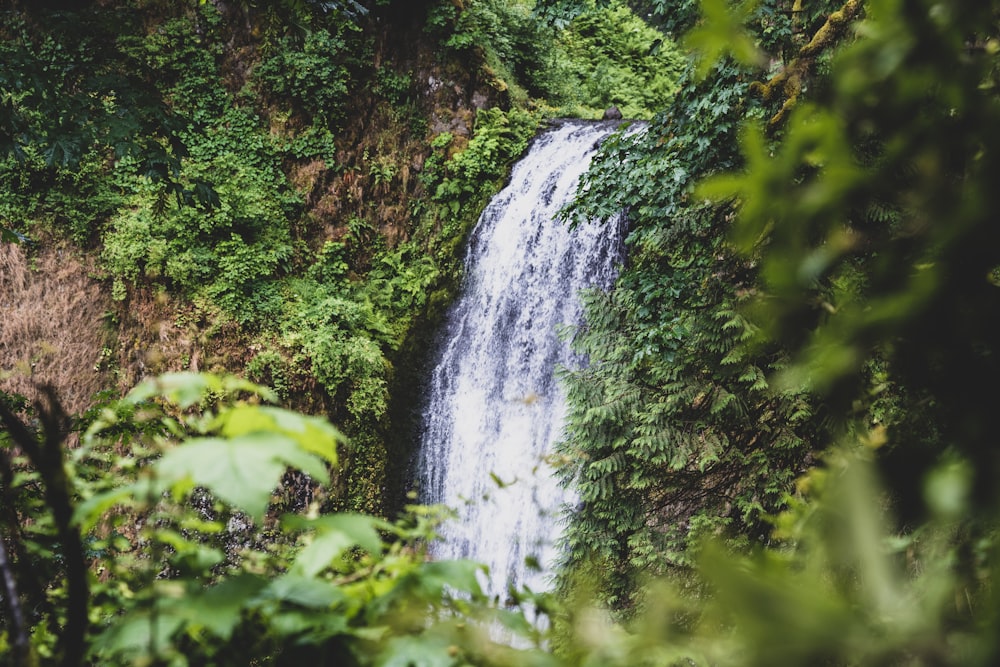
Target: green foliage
{"type": "Point", "coordinates": [229, 245]}
{"type": "Point", "coordinates": [191, 571]}
{"type": "Point", "coordinates": [674, 432]}
{"type": "Point", "coordinates": [846, 281]}
{"type": "Point", "coordinates": [165, 220]}
{"type": "Point", "coordinates": [853, 246]}
{"type": "Point", "coordinates": [516, 47]}
{"type": "Point", "coordinates": [70, 71]}
{"type": "Point", "coordinates": [311, 74]}
{"type": "Point", "coordinates": [395, 87]}
{"type": "Point", "coordinates": [403, 96]}
{"type": "Point", "coordinates": [225, 252]}
{"type": "Point", "coordinates": [610, 57]}
{"type": "Point", "coordinates": [834, 281]}
{"type": "Point", "coordinates": [175, 151]}
{"type": "Point", "coordinates": [237, 452]}
{"type": "Point", "coordinates": [297, 12]}
{"type": "Point", "coordinates": [721, 33]}
{"type": "Point", "coordinates": [345, 330]}
{"type": "Point", "coordinates": [499, 138]}
{"type": "Point", "coordinates": [338, 337]}
{"type": "Point", "coordinates": [270, 369]}
{"type": "Point", "coordinates": [71, 99]}
{"type": "Point", "coordinates": [838, 287]}
{"type": "Point", "coordinates": [671, 17]}
{"type": "Point", "coordinates": [73, 201]}
{"type": "Point", "coordinates": [834, 587]}
{"type": "Point", "coordinates": [583, 58]}
{"type": "Point", "coordinates": [198, 200]}
{"type": "Point", "coordinates": [463, 184]}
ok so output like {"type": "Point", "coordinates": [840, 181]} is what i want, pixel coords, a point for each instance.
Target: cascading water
{"type": "Point", "coordinates": [494, 406]}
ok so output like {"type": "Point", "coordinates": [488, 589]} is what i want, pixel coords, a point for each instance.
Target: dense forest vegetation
{"type": "Point", "coordinates": [781, 443]}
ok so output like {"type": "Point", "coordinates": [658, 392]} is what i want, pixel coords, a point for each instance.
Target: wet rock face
{"type": "Point", "coordinates": [612, 113]}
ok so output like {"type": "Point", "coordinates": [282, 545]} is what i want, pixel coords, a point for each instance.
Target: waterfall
{"type": "Point", "coordinates": [494, 407]}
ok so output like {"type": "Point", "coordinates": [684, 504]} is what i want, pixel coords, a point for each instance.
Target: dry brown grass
{"type": "Point", "coordinates": [50, 325]}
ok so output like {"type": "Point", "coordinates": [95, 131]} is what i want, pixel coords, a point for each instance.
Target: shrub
{"type": "Point", "coordinates": [613, 58]}
{"type": "Point", "coordinates": [311, 74]}
{"type": "Point", "coordinates": [225, 252]}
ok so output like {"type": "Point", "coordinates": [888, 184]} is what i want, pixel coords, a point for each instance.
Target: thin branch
{"type": "Point", "coordinates": [18, 628]}
{"type": "Point", "coordinates": [16, 557]}
{"type": "Point", "coordinates": [47, 458]}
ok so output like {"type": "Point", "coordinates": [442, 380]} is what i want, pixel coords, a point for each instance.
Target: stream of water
{"type": "Point", "coordinates": [494, 406]}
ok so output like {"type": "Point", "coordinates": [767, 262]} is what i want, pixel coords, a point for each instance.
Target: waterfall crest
{"type": "Point", "coordinates": [494, 407]}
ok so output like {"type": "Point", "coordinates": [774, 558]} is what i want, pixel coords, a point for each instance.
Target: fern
{"type": "Point", "coordinates": [674, 382]}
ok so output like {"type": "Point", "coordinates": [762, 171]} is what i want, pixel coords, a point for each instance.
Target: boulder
{"type": "Point", "coordinates": [613, 113]}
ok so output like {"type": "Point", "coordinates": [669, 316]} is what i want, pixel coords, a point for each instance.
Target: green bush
{"type": "Point", "coordinates": [76, 202]}
{"type": "Point", "coordinates": [270, 369]}
{"type": "Point", "coordinates": [220, 230]}
{"type": "Point", "coordinates": [517, 47]}
{"type": "Point", "coordinates": [225, 252]}
{"type": "Point", "coordinates": [311, 74]}
{"type": "Point", "coordinates": [192, 567]}
{"type": "Point", "coordinates": [339, 337]}
{"type": "Point", "coordinates": [472, 175]}
{"type": "Point", "coordinates": [346, 330]}
{"type": "Point", "coordinates": [611, 57]}
{"type": "Point", "coordinates": [583, 58]}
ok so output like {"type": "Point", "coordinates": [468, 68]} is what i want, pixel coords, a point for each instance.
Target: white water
{"type": "Point", "coordinates": [494, 407]}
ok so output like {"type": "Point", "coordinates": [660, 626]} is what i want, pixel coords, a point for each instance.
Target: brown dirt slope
{"type": "Point", "coordinates": [52, 327]}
